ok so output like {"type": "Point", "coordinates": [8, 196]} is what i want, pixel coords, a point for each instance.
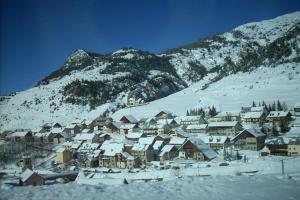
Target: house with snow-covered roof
{"type": "Point", "coordinates": [28, 177]}
{"type": "Point", "coordinates": [72, 129]}
{"type": "Point", "coordinates": [22, 136]}
{"type": "Point", "coordinates": [216, 142]}
{"type": "Point", "coordinates": [143, 152]}
{"type": "Point", "coordinates": [125, 161]}
{"type": "Point", "coordinates": [280, 118]}
{"type": "Point", "coordinates": [128, 127]}
{"type": "Point", "coordinates": [226, 116]}
{"type": "Point", "coordinates": [112, 127]}
{"type": "Point", "coordinates": [249, 139]}
{"type": "Point", "coordinates": [254, 117]}
{"type": "Point", "coordinates": [227, 128]}
{"type": "Point", "coordinates": [128, 119]}
{"type": "Point", "coordinates": [135, 136]}
{"type": "Point", "coordinates": [192, 120]}
{"type": "Point", "coordinates": [297, 109]}
{"type": "Point", "coordinates": [284, 146]}
{"type": "Point", "coordinates": [168, 152]}
{"type": "Point", "coordinates": [196, 128]}
{"type": "Point", "coordinates": [165, 115]}
{"type": "Point", "coordinates": [109, 153]}
{"type": "Point", "coordinates": [86, 137]}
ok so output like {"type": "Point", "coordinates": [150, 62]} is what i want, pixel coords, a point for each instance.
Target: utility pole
{"type": "Point", "coordinates": [282, 167]}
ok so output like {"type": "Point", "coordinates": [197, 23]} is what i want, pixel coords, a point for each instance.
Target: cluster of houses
{"type": "Point", "coordinates": [130, 143]}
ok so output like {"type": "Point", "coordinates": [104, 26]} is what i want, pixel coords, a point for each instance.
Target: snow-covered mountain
{"type": "Point", "coordinates": [254, 61]}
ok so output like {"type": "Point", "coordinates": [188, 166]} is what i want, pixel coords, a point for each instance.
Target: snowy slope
{"type": "Point", "coordinates": [212, 188]}
{"type": "Point", "coordinates": [230, 93]}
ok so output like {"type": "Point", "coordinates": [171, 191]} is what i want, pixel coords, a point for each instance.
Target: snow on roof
{"type": "Point", "coordinates": [71, 126]}
{"type": "Point", "coordinates": [127, 156]}
{"type": "Point", "coordinates": [147, 140]}
{"type": "Point", "coordinates": [60, 150]}
{"type": "Point", "coordinates": [67, 143]}
{"type": "Point", "coordinates": [196, 126]}
{"type": "Point", "coordinates": [165, 121]}
{"type": "Point", "coordinates": [76, 145]}
{"type": "Point", "coordinates": [157, 144]}
{"type": "Point", "coordinates": [130, 118]}
{"type": "Point", "coordinates": [191, 118]}
{"type": "Point", "coordinates": [111, 148]}
{"type": "Point", "coordinates": [253, 115]}
{"type": "Point", "coordinates": [285, 140]}
{"type": "Point", "coordinates": [56, 130]}
{"type": "Point", "coordinates": [256, 133]}
{"type": "Point", "coordinates": [20, 134]}
{"type": "Point", "coordinates": [177, 140]}
{"type": "Point", "coordinates": [117, 124]}
{"type": "Point", "coordinates": [223, 124]}
{"type": "Point", "coordinates": [89, 146]}
{"type": "Point", "coordinates": [134, 135]}
{"type": "Point", "coordinates": [297, 105]}
{"type": "Point", "coordinates": [228, 113]}
{"type": "Point", "coordinates": [26, 174]}
{"type": "Point", "coordinates": [204, 148]}
{"type": "Point", "coordinates": [278, 114]}
{"type": "Point", "coordinates": [166, 149]}
{"type": "Point", "coordinates": [257, 109]}
{"type": "Point", "coordinates": [140, 147]}
{"type": "Point", "coordinates": [214, 139]}
{"type": "Point", "coordinates": [127, 126]}
{"type": "Point", "coordinates": [84, 136]}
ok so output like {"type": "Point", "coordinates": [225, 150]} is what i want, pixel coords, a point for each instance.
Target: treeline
{"type": "Point", "coordinates": [202, 112]}
{"type": "Point", "coordinates": [275, 106]}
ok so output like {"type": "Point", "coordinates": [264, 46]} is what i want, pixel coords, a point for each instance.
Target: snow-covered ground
{"type": "Point", "coordinates": [225, 187]}
{"type": "Point", "coordinates": [230, 93]}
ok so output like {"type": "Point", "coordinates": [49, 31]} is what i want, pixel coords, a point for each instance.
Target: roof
{"type": "Point", "coordinates": [223, 124]}
{"type": "Point", "coordinates": [57, 130]}
{"type": "Point", "coordinates": [196, 126]}
{"type": "Point", "coordinates": [256, 133]}
{"type": "Point", "coordinates": [214, 139]}
{"type": "Point", "coordinates": [278, 114]}
{"type": "Point", "coordinates": [128, 126]}
{"type": "Point", "coordinates": [84, 136]}
{"type": "Point", "coordinates": [297, 105]}
{"type": "Point", "coordinates": [228, 113]}
{"type": "Point", "coordinates": [284, 140]}
{"type": "Point", "coordinates": [127, 156]}
{"type": "Point", "coordinates": [130, 118]}
{"type": "Point", "coordinates": [257, 109]}
{"type": "Point", "coordinates": [167, 148]}
{"type": "Point", "coordinates": [204, 148]}
{"type": "Point", "coordinates": [147, 140]}
{"type": "Point", "coordinates": [177, 140]}
{"type": "Point", "coordinates": [253, 115]}
{"type": "Point", "coordinates": [71, 126]}
{"type": "Point", "coordinates": [20, 134]}
{"type": "Point", "coordinates": [89, 146]}
{"type": "Point", "coordinates": [111, 148]}
{"type": "Point", "coordinates": [26, 174]}
{"type": "Point", "coordinates": [134, 135]}
{"type": "Point", "coordinates": [60, 150]}
{"type": "Point", "coordinates": [140, 147]}
{"type": "Point", "coordinates": [157, 144]}
{"type": "Point", "coordinates": [191, 118]}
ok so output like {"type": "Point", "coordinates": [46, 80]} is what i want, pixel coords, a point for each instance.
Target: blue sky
{"type": "Point", "coordinates": [37, 36]}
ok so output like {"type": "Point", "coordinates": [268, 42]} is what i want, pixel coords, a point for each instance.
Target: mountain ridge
{"type": "Point", "coordinates": [89, 84]}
